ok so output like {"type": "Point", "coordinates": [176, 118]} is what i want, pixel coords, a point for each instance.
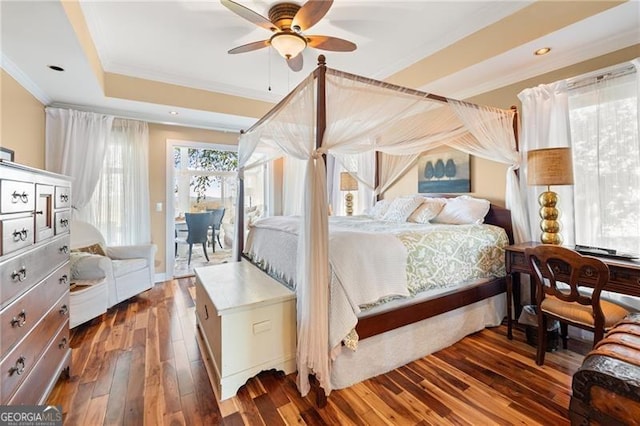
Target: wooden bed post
{"type": "Point", "coordinates": [515, 125]}
{"type": "Point", "coordinates": [321, 125]}
{"type": "Point", "coordinates": [376, 173]}
{"type": "Point", "coordinates": [321, 110]}
{"type": "Point", "coordinates": [240, 219]}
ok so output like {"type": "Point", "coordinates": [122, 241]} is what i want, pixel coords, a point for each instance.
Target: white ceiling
{"type": "Point", "coordinates": [185, 43]}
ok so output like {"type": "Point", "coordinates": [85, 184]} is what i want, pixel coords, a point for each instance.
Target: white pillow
{"type": "Point", "coordinates": [463, 210]}
{"type": "Point", "coordinates": [85, 266]}
{"type": "Point", "coordinates": [379, 208]}
{"type": "Point", "coordinates": [401, 208]}
{"type": "Point", "coordinates": [429, 209]}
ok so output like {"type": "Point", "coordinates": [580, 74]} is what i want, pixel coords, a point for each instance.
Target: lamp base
{"type": "Point", "coordinates": [549, 225]}
{"type": "Point", "coordinates": [348, 198]}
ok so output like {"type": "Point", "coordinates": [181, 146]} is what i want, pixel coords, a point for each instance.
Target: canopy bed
{"type": "Point", "coordinates": [333, 112]}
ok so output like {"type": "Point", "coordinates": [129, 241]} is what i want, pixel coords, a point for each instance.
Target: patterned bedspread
{"type": "Point", "coordinates": [437, 256]}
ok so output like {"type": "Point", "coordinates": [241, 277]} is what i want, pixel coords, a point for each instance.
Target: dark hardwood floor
{"type": "Point", "coordinates": [139, 364]}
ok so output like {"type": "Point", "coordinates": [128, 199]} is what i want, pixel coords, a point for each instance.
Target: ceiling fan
{"type": "Point", "coordinates": [288, 22]}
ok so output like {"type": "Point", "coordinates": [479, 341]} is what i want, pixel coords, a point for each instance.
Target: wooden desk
{"type": "Point", "coordinates": [624, 277]}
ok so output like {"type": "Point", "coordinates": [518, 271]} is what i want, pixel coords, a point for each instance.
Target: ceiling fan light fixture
{"type": "Point", "coordinates": [288, 44]}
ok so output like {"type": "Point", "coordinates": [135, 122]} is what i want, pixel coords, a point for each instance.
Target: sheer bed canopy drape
{"type": "Point", "coordinates": [332, 112]}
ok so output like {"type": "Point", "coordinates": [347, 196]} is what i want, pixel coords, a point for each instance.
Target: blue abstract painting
{"type": "Point", "coordinates": [444, 172]}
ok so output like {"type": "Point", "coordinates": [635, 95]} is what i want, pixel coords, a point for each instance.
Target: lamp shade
{"type": "Point", "coordinates": [288, 44]}
{"type": "Point", "coordinates": [549, 166]}
{"type": "Point", "coordinates": [348, 182]}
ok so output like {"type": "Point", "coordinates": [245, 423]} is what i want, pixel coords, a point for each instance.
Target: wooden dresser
{"type": "Point", "coordinates": [35, 213]}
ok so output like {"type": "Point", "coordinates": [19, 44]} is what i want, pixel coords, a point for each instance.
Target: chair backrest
{"type": "Point", "coordinates": [216, 219]}
{"type": "Point", "coordinates": [85, 234]}
{"type": "Point", "coordinates": [553, 264]}
{"type": "Point", "coordinates": [197, 226]}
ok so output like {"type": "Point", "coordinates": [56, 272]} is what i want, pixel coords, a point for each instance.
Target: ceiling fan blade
{"type": "Point", "coordinates": [250, 46]}
{"type": "Point", "coordinates": [310, 13]}
{"type": "Point", "coordinates": [249, 15]}
{"type": "Point", "coordinates": [295, 64]}
{"type": "Point", "coordinates": [334, 44]}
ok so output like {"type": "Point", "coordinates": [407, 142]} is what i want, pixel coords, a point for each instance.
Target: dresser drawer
{"type": "Point", "coordinates": [20, 317]}
{"type": "Point", "coordinates": [18, 274]}
{"type": "Point", "coordinates": [16, 234]}
{"type": "Point", "coordinates": [18, 363]}
{"type": "Point", "coordinates": [62, 197]}
{"type": "Point", "coordinates": [63, 222]}
{"type": "Point", "coordinates": [16, 196]}
{"type": "Point", "coordinates": [40, 381]}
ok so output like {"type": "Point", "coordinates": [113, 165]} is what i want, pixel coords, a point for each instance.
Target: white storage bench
{"type": "Point", "coordinates": [247, 323]}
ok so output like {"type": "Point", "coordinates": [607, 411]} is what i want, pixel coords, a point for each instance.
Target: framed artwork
{"type": "Point", "coordinates": [444, 172]}
{"type": "Point", "coordinates": [6, 154]}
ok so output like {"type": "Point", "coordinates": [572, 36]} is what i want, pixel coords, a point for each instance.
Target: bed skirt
{"type": "Point", "coordinates": [385, 352]}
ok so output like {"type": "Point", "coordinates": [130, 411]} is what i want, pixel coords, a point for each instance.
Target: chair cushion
{"type": "Point", "coordinates": [126, 266]}
{"type": "Point", "coordinates": [582, 314]}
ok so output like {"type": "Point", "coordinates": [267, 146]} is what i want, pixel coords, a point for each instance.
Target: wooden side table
{"type": "Point", "coordinates": [624, 277]}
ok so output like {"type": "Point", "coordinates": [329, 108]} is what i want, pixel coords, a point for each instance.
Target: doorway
{"type": "Point", "coordinates": [201, 177]}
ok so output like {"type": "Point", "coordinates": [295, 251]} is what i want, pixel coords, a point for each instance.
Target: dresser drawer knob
{"type": "Point", "coordinates": [20, 235]}
{"type": "Point", "coordinates": [19, 367]}
{"type": "Point", "coordinates": [64, 310]}
{"type": "Point", "coordinates": [20, 275]}
{"type": "Point", "coordinates": [19, 320]}
{"type": "Point", "coordinates": [64, 222]}
{"type": "Point", "coordinates": [64, 197]}
{"type": "Point", "coordinates": [64, 279]}
{"type": "Point", "coordinates": [63, 343]}
{"type": "Point", "coordinates": [15, 197]}
{"type": "Point", "coordinates": [64, 249]}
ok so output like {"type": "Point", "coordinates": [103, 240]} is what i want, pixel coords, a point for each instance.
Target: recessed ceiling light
{"type": "Point", "coordinates": [542, 51]}
{"type": "Point", "coordinates": [173, 112]}
{"type": "Point", "coordinates": [56, 68]}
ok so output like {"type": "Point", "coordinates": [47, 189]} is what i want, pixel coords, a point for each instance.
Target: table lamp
{"type": "Point", "coordinates": [549, 166]}
{"type": "Point", "coordinates": [348, 183]}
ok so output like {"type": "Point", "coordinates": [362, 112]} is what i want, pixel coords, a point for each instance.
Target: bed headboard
{"type": "Point", "coordinates": [499, 216]}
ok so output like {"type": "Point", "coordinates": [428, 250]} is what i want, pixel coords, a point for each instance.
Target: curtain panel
{"type": "Point", "coordinates": [75, 145]}
{"type": "Point", "coordinates": [107, 158]}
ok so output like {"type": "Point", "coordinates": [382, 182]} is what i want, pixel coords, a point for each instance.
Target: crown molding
{"type": "Point", "coordinates": [23, 79]}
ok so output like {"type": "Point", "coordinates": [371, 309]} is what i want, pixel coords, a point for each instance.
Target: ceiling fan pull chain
{"type": "Point", "coordinates": [269, 53]}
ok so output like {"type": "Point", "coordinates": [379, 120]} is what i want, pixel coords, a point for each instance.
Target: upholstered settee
{"type": "Point", "coordinates": [128, 270]}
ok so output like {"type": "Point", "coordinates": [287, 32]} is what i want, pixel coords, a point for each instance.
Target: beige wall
{"type": "Point", "coordinates": [488, 178]}
{"type": "Point", "coordinates": [158, 135]}
{"type": "Point", "coordinates": [21, 122]}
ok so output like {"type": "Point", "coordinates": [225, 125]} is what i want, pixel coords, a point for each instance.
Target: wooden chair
{"type": "Point", "coordinates": [197, 227]}
{"type": "Point", "coordinates": [551, 265]}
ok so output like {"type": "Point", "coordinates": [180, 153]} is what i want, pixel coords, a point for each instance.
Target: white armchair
{"type": "Point", "coordinates": [128, 270]}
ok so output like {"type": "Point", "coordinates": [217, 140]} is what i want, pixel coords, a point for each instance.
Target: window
{"type": "Point", "coordinates": [603, 114]}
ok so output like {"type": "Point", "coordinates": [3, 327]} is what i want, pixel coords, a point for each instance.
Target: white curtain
{"type": "Point", "coordinates": [75, 144]}
{"type": "Point", "coordinates": [107, 158]}
{"type": "Point", "coordinates": [362, 117]}
{"type": "Point", "coordinates": [362, 167]}
{"type": "Point", "coordinates": [606, 149]}
{"type": "Point", "coordinates": [293, 186]}
{"type": "Point", "coordinates": [290, 129]}
{"type": "Point", "coordinates": [545, 124]}
{"type": "Point", "coordinates": [123, 187]}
